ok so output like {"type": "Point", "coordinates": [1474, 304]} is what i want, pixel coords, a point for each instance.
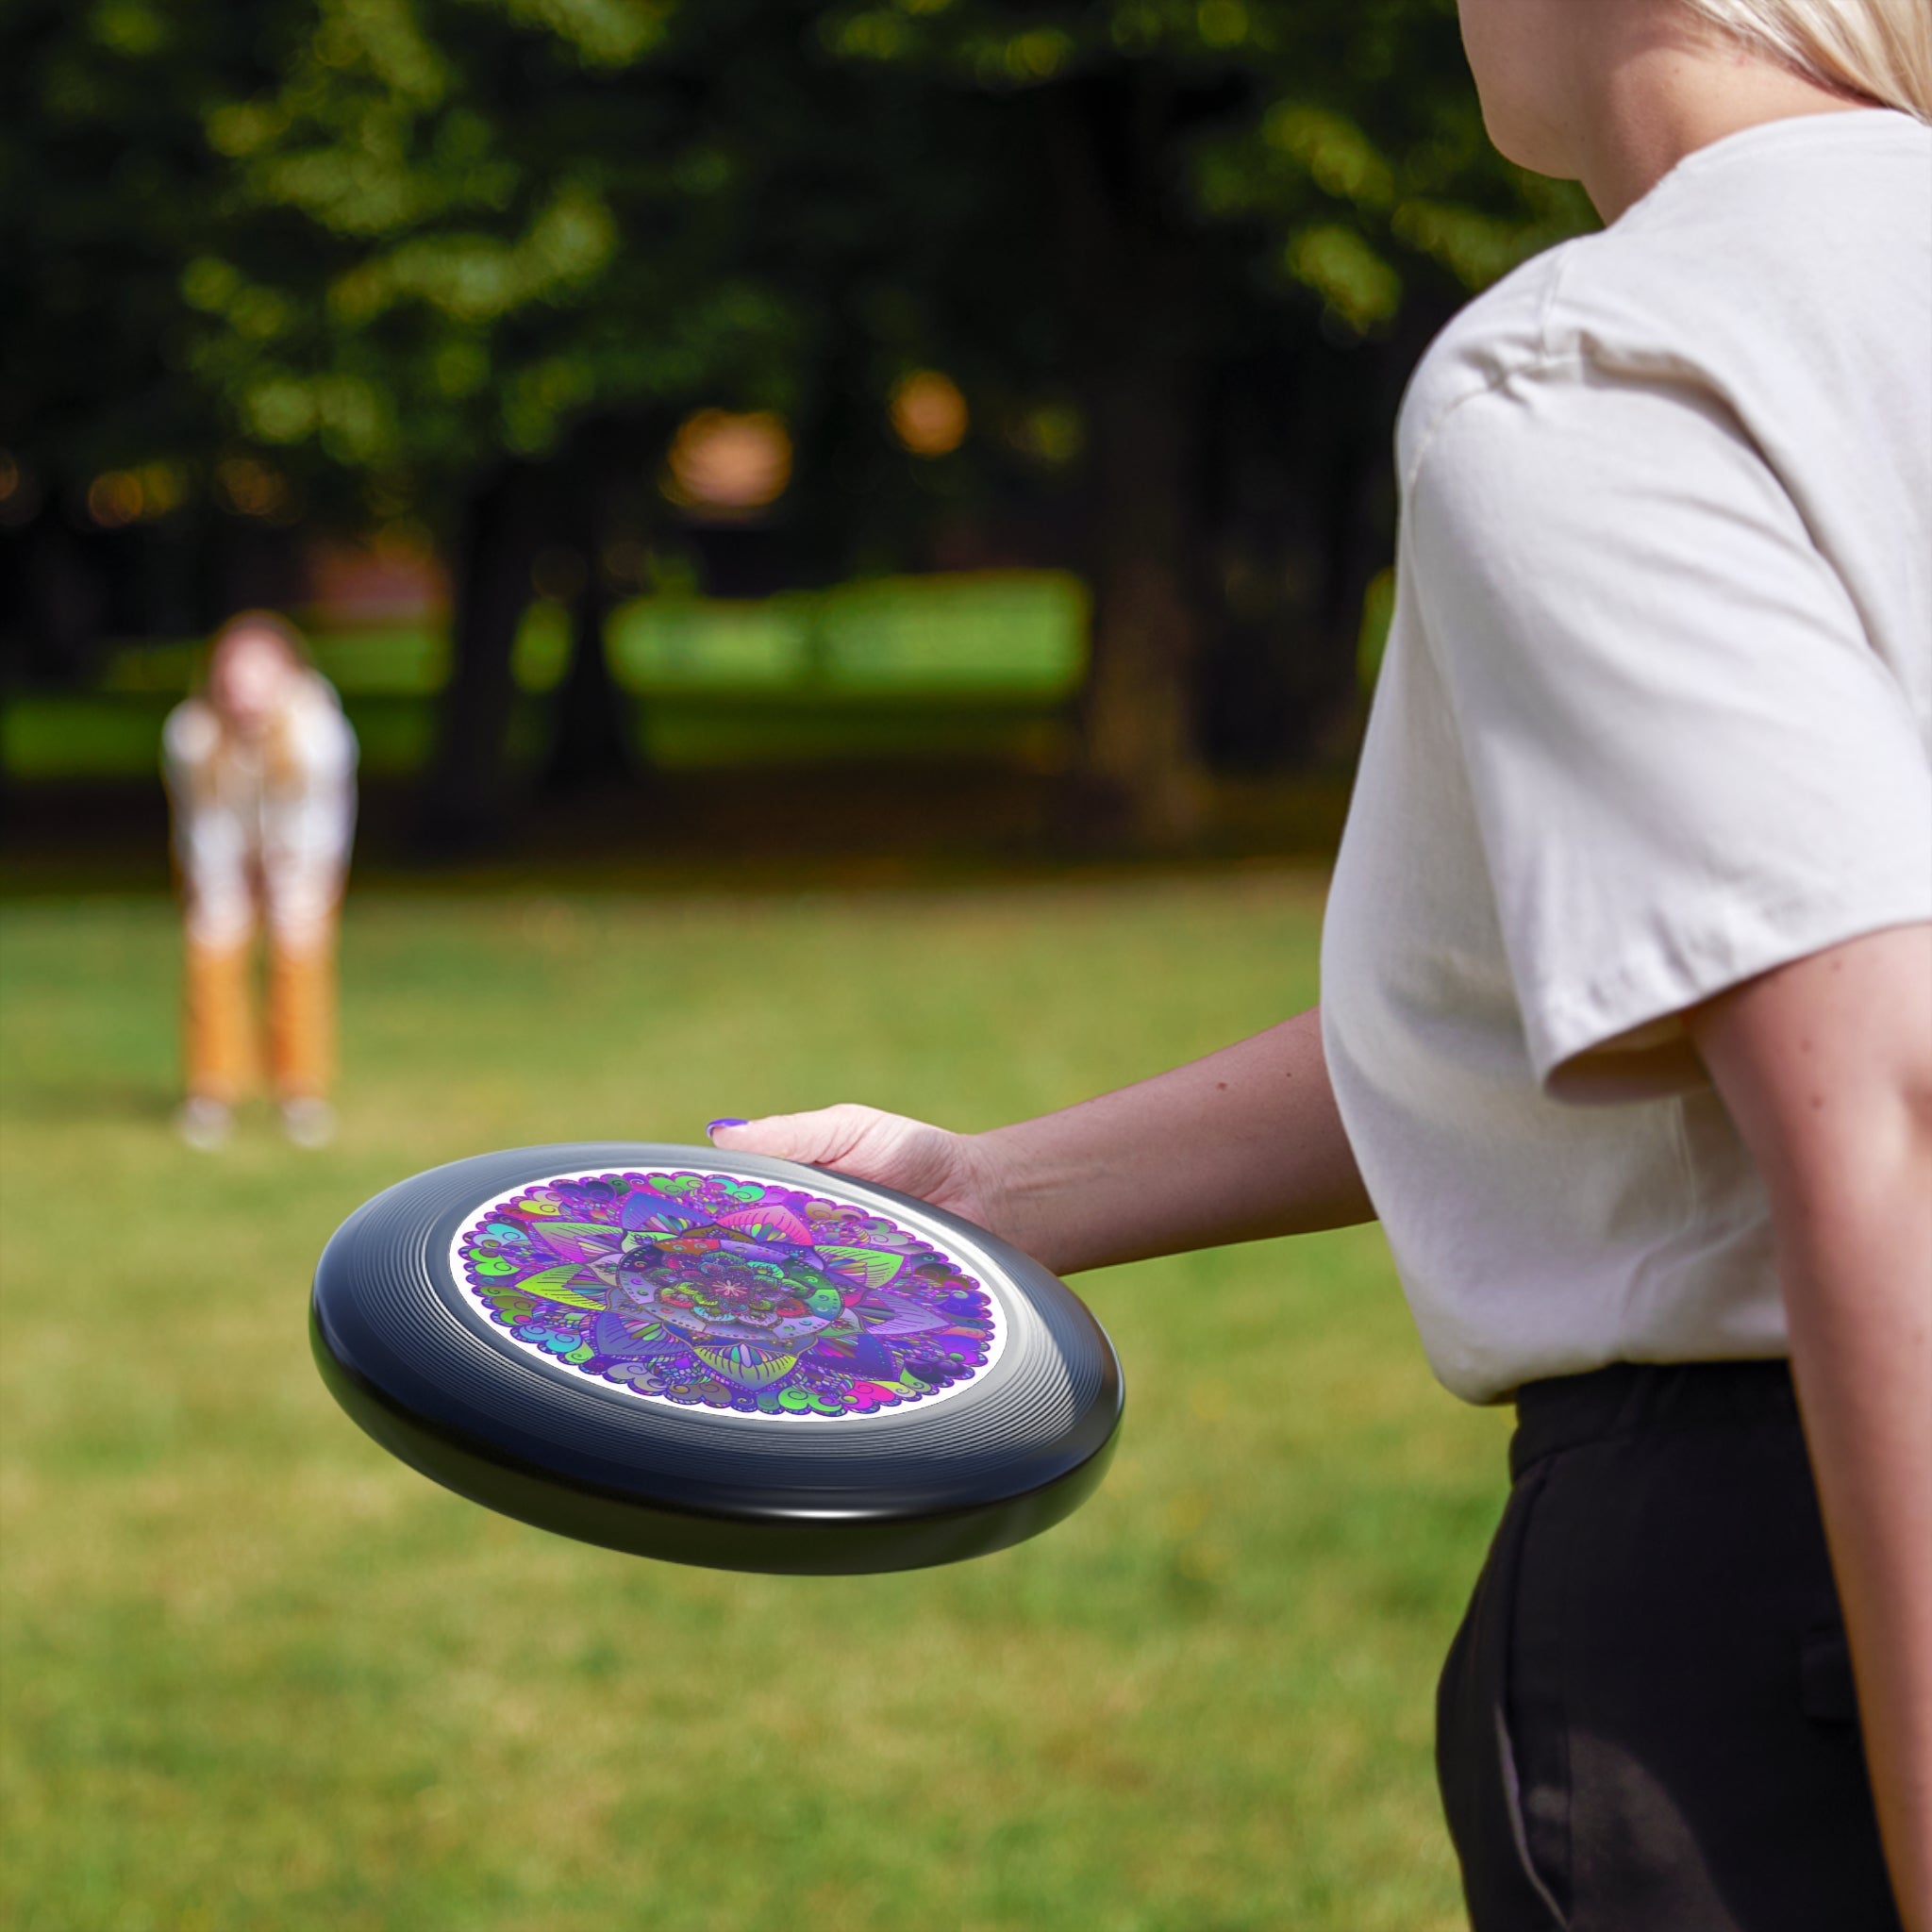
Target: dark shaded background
{"type": "Point", "coordinates": [390, 314]}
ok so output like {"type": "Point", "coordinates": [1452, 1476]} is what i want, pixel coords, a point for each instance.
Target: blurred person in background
{"type": "Point", "coordinates": [1626, 1021]}
{"type": "Point", "coordinates": [261, 768]}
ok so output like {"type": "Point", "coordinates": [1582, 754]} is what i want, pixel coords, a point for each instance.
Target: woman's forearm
{"type": "Point", "coordinates": [1826, 1068]}
{"type": "Point", "coordinates": [1243, 1144]}
{"type": "Point", "coordinates": [1859, 1297]}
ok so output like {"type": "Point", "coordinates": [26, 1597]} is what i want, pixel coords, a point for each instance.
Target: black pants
{"type": "Point", "coordinates": [1646, 1721]}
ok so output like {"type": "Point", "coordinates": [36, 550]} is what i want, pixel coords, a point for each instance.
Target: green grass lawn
{"type": "Point", "coordinates": [982, 664]}
{"type": "Point", "coordinates": [257, 1674]}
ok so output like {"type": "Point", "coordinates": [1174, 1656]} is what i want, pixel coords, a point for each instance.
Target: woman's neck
{"type": "Point", "coordinates": [1657, 96]}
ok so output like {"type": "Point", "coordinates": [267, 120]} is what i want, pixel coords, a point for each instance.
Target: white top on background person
{"type": "Point", "coordinates": [1669, 730]}
{"type": "Point", "coordinates": [263, 790]}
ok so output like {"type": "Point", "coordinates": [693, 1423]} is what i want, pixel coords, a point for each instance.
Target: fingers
{"type": "Point", "coordinates": [819, 1138]}
{"type": "Point", "coordinates": [906, 1155]}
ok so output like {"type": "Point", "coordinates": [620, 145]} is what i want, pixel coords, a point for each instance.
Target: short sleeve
{"type": "Point", "coordinates": [1689, 764]}
{"type": "Point", "coordinates": [322, 738]}
{"type": "Point", "coordinates": [188, 742]}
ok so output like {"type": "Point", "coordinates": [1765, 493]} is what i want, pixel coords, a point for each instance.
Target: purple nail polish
{"type": "Point", "coordinates": [714, 1125]}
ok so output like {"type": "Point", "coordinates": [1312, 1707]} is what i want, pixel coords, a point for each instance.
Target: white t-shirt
{"type": "Point", "coordinates": [245, 830]}
{"type": "Point", "coordinates": [1656, 716]}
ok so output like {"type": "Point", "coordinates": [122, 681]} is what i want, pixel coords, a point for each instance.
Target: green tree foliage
{"type": "Point", "coordinates": [1237, 190]}
{"type": "Point", "coordinates": [108, 187]}
{"type": "Point", "coordinates": [504, 219]}
{"type": "Point", "coordinates": [470, 259]}
{"type": "Point", "coordinates": [1343, 134]}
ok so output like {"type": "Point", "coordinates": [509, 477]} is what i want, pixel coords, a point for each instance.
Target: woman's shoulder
{"type": "Point", "coordinates": [321, 736]}
{"type": "Point", "coordinates": [316, 695]}
{"type": "Point", "coordinates": [1784, 254]}
{"type": "Point", "coordinates": [190, 734]}
{"type": "Point", "coordinates": [1498, 335]}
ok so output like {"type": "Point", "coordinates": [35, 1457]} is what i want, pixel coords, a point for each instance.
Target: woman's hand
{"type": "Point", "coordinates": [949, 1170]}
{"type": "Point", "coordinates": [1238, 1146]}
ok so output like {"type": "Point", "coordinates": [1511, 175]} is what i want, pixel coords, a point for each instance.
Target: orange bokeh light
{"type": "Point", "coordinates": [251, 489]}
{"type": "Point", "coordinates": [728, 464]}
{"type": "Point", "coordinates": [115, 499]}
{"type": "Point", "coordinates": [929, 415]}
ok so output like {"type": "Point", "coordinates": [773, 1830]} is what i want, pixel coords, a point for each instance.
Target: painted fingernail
{"type": "Point", "coordinates": [714, 1125]}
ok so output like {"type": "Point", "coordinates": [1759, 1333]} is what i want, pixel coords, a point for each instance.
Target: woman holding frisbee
{"type": "Point", "coordinates": [1626, 1031]}
{"type": "Point", "coordinates": [260, 766]}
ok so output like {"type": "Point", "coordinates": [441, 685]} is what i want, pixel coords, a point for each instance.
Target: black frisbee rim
{"type": "Point", "coordinates": [409, 1358]}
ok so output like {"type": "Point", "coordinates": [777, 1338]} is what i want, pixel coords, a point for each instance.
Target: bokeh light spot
{"type": "Point", "coordinates": [929, 415]}
{"type": "Point", "coordinates": [250, 487]}
{"type": "Point", "coordinates": [114, 499]}
{"type": "Point", "coordinates": [728, 464]}
{"type": "Point", "coordinates": [1049, 433]}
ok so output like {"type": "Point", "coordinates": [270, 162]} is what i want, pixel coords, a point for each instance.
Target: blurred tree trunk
{"type": "Point", "coordinates": [1354, 484]}
{"type": "Point", "coordinates": [593, 744]}
{"type": "Point", "coordinates": [592, 747]}
{"type": "Point", "coordinates": [467, 801]}
{"type": "Point", "coordinates": [1131, 298]}
{"type": "Point", "coordinates": [1300, 525]}
{"type": "Point", "coordinates": [63, 608]}
{"type": "Point", "coordinates": [1139, 736]}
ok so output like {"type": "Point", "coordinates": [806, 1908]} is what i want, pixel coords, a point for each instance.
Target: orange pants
{"type": "Point", "coordinates": [223, 1049]}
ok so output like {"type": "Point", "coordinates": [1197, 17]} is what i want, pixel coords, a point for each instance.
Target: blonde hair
{"type": "Point", "coordinates": [1879, 50]}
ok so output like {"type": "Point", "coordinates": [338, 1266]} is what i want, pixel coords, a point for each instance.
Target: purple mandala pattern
{"type": "Point", "coordinates": [714, 1292]}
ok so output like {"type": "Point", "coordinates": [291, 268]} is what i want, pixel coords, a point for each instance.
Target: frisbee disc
{"type": "Point", "coordinates": [715, 1359]}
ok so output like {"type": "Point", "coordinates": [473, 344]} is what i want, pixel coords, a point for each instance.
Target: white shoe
{"type": "Point", "coordinates": [203, 1124]}
{"type": "Point", "coordinates": [309, 1122]}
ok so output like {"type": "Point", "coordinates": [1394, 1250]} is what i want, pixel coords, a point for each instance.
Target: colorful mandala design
{"type": "Point", "coordinates": [714, 1293]}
